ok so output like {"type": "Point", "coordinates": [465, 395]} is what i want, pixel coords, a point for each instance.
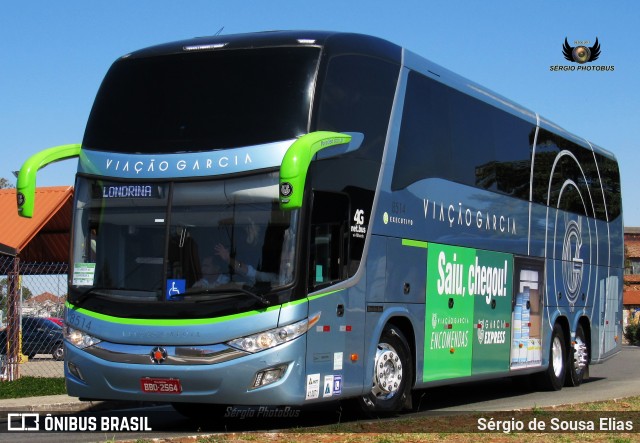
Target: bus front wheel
{"type": "Point", "coordinates": [392, 374]}
{"type": "Point", "coordinates": [553, 378]}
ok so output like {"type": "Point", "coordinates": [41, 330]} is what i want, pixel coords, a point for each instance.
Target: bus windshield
{"type": "Point", "coordinates": [181, 242]}
{"type": "Point", "coordinates": [203, 100]}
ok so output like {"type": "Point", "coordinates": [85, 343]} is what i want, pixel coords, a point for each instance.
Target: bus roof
{"type": "Point", "coordinates": [335, 43]}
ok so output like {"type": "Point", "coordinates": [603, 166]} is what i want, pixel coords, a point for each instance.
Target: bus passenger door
{"type": "Point", "coordinates": [327, 351]}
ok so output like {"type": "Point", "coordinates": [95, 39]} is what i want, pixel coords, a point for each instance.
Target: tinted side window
{"type": "Point", "coordinates": [513, 144]}
{"type": "Point", "coordinates": [566, 176]}
{"type": "Point", "coordinates": [425, 134]}
{"type": "Point", "coordinates": [610, 176]}
{"type": "Point", "coordinates": [356, 95]}
{"type": "Point", "coordinates": [329, 239]}
{"type": "Point", "coordinates": [447, 134]}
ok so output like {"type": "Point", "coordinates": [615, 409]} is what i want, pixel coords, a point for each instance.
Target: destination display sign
{"type": "Point", "coordinates": [129, 190]}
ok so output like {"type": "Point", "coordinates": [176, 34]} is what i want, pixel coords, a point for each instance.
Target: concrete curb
{"type": "Point", "coordinates": [62, 403]}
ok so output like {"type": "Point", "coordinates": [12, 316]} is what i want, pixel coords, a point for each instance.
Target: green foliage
{"type": "Point", "coordinates": [4, 285]}
{"type": "Point", "coordinates": [632, 333]}
{"type": "Point", "coordinates": [32, 387]}
{"type": "Point", "coordinates": [5, 184]}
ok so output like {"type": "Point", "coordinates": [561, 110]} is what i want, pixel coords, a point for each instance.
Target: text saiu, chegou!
{"type": "Point", "coordinates": [487, 281]}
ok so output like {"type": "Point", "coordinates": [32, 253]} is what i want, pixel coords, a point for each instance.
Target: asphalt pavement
{"type": "Point", "coordinates": [65, 403]}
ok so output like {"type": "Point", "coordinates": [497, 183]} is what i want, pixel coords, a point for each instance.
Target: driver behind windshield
{"type": "Point", "coordinates": [249, 245]}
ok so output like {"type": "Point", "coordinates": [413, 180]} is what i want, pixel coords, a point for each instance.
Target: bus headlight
{"type": "Point", "coordinates": [78, 338]}
{"type": "Point", "coordinates": [274, 337]}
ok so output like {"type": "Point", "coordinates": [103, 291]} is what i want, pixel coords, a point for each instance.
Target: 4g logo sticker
{"type": "Point", "coordinates": [358, 229]}
{"type": "Point", "coordinates": [359, 217]}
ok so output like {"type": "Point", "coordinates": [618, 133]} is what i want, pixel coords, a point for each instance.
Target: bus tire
{"type": "Point", "coordinates": [553, 378]}
{"type": "Point", "coordinates": [578, 364]}
{"type": "Point", "coordinates": [392, 374]}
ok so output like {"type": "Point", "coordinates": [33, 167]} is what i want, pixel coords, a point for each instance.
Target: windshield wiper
{"type": "Point", "coordinates": [85, 295]}
{"type": "Point", "coordinates": [229, 291]}
{"type": "Point", "coordinates": [97, 291]}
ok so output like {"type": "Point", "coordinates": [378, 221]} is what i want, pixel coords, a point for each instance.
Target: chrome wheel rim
{"type": "Point", "coordinates": [388, 372]}
{"type": "Point", "coordinates": [557, 357]}
{"type": "Point", "coordinates": [58, 353]}
{"type": "Point", "coordinates": [580, 355]}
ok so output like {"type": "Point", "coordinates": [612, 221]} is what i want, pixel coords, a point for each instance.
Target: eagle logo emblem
{"type": "Point", "coordinates": [581, 54]}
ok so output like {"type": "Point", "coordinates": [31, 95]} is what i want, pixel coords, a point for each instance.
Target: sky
{"type": "Point", "coordinates": [55, 54]}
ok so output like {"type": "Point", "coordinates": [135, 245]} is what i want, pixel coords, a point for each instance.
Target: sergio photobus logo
{"type": "Point", "coordinates": [583, 53]}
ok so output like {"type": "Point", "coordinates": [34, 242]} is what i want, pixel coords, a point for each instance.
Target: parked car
{"type": "Point", "coordinates": [57, 320]}
{"type": "Point", "coordinates": [39, 336]}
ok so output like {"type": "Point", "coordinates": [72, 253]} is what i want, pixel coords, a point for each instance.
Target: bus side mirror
{"type": "Point", "coordinates": [296, 161]}
{"type": "Point", "coordinates": [26, 184]}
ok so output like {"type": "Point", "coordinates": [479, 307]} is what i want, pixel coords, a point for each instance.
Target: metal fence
{"type": "Point", "coordinates": [32, 297]}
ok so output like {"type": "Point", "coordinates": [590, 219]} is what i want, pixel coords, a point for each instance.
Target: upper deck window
{"type": "Point", "coordinates": [203, 101]}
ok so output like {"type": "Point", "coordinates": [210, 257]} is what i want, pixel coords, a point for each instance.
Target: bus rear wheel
{"type": "Point", "coordinates": [392, 374]}
{"type": "Point", "coordinates": [578, 366]}
{"type": "Point", "coordinates": [553, 378]}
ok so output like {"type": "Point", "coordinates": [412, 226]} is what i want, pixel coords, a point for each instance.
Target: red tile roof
{"type": "Point", "coordinates": [44, 297]}
{"type": "Point", "coordinates": [631, 298]}
{"type": "Point", "coordinates": [632, 248]}
{"type": "Point", "coordinates": [632, 278]}
{"type": "Point", "coordinates": [43, 238]}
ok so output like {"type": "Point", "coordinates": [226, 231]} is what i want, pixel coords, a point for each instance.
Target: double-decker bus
{"type": "Point", "coordinates": [286, 218]}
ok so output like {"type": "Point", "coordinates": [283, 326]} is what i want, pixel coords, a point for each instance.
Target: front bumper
{"type": "Point", "coordinates": [219, 382]}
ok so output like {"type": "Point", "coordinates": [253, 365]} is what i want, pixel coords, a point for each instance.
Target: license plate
{"type": "Point", "coordinates": [160, 385]}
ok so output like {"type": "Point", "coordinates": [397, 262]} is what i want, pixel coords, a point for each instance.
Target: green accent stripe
{"type": "Point", "coordinates": [192, 321]}
{"type": "Point", "coordinates": [167, 322]}
{"type": "Point", "coordinates": [414, 243]}
{"type": "Point", "coordinates": [313, 297]}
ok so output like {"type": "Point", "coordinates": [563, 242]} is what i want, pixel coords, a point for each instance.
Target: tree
{"type": "Point", "coordinates": [6, 184]}
{"type": "Point", "coordinates": [26, 293]}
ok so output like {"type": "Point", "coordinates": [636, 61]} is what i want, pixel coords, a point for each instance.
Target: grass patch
{"type": "Point", "coordinates": [32, 387]}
